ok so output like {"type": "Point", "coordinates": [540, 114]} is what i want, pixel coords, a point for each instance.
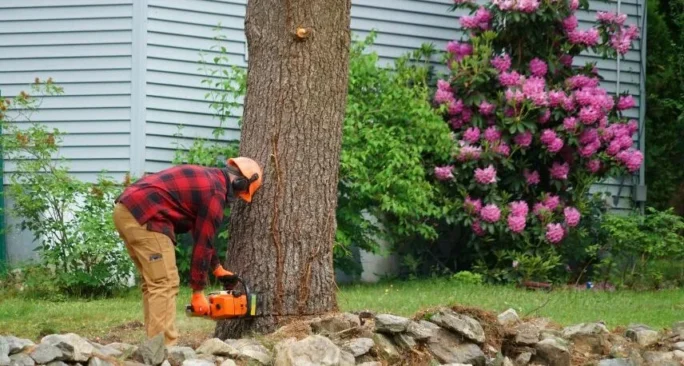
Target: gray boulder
{"type": "Point", "coordinates": [553, 351]}
{"type": "Point", "coordinates": [508, 318]}
{"type": "Point", "coordinates": [678, 328]}
{"type": "Point", "coordinates": [335, 324]}
{"type": "Point", "coordinates": [21, 359]}
{"type": "Point", "coordinates": [448, 348]}
{"type": "Point", "coordinates": [57, 363]}
{"type": "Point", "coordinates": [659, 358]}
{"type": "Point", "coordinates": [460, 324]}
{"type": "Point", "coordinates": [420, 331]}
{"type": "Point", "coordinates": [73, 347]}
{"type": "Point", "coordinates": [96, 361]}
{"type": "Point", "coordinates": [404, 341]}
{"type": "Point", "coordinates": [358, 346]}
{"type": "Point", "coordinates": [125, 348]}
{"type": "Point", "coordinates": [251, 351]}
{"type": "Point", "coordinates": [176, 355]}
{"type": "Point", "coordinates": [15, 344]}
{"type": "Point", "coordinates": [523, 359]}
{"type": "Point", "coordinates": [228, 362]}
{"type": "Point", "coordinates": [198, 362]}
{"type": "Point", "coordinates": [678, 355]}
{"type": "Point", "coordinates": [386, 349]}
{"type": "Point", "coordinates": [4, 352]}
{"type": "Point", "coordinates": [617, 362]}
{"type": "Point", "coordinates": [45, 353]}
{"type": "Point", "coordinates": [526, 334]}
{"type": "Point", "coordinates": [588, 337]}
{"type": "Point", "coordinates": [387, 323]}
{"type": "Point", "coordinates": [642, 335]}
{"type": "Point", "coordinates": [372, 363]}
{"type": "Point", "coordinates": [212, 346]}
{"type": "Point", "coordinates": [679, 346]}
{"type": "Point", "coordinates": [106, 351]}
{"type": "Point", "coordinates": [152, 352]}
{"type": "Point", "coordinates": [312, 350]}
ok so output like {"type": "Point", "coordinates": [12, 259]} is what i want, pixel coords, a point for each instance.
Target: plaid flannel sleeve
{"type": "Point", "coordinates": [204, 254]}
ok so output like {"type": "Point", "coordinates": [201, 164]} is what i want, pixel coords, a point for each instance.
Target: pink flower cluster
{"type": "Point", "coordinates": [444, 172]}
{"type": "Point", "coordinates": [560, 170]}
{"type": "Point", "coordinates": [459, 50]}
{"type": "Point", "coordinates": [472, 206]}
{"type": "Point", "coordinates": [525, 6]}
{"type": "Point", "coordinates": [552, 142]}
{"type": "Point", "coordinates": [554, 233]}
{"type": "Point", "coordinates": [480, 20]}
{"type": "Point", "coordinates": [518, 216]}
{"type": "Point", "coordinates": [502, 63]}
{"type": "Point", "coordinates": [486, 175]}
{"type": "Point", "coordinates": [622, 39]}
{"type": "Point", "coordinates": [469, 153]}
{"type": "Point", "coordinates": [490, 213]}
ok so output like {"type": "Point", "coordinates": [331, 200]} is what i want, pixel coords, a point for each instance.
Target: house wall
{"type": "Point", "coordinates": [131, 75]}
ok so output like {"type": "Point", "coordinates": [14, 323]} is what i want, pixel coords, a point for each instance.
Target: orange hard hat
{"type": "Point", "coordinates": [251, 170]}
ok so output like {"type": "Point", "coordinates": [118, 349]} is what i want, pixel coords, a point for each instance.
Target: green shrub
{"type": "Point", "coordinates": [467, 277]}
{"type": "Point", "coordinates": [390, 135]}
{"type": "Point", "coordinates": [638, 246]}
{"type": "Point", "coordinates": [79, 248]}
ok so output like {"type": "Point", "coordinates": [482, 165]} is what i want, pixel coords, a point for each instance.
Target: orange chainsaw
{"type": "Point", "coordinates": [229, 303]}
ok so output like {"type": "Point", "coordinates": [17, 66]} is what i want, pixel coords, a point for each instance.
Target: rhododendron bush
{"type": "Point", "coordinates": [531, 131]}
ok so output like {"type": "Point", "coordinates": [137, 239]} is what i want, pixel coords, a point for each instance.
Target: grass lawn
{"type": "Point", "coordinates": [120, 319]}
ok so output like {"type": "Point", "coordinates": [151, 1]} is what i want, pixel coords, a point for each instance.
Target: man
{"type": "Point", "coordinates": [149, 214]}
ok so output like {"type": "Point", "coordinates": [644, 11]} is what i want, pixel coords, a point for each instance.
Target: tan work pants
{"type": "Point", "coordinates": [155, 258]}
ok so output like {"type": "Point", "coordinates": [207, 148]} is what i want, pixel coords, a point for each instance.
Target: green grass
{"type": "Point", "coordinates": [115, 319]}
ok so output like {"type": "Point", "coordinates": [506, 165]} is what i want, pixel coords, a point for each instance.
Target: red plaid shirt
{"type": "Point", "coordinates": [180, 199]}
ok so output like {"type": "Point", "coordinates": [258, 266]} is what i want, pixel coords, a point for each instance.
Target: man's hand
{"type": "Point", "coordinates": [229, 279]}
{"type": "Point", "coordinates": [200, 304]}
{"type": "Point", "coordinates": [219, 271]}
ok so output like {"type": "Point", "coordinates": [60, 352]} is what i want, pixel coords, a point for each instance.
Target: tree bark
{"type": "Point", "coordinates": [281, 243]}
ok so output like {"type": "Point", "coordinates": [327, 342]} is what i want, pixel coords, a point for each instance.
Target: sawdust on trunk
{"type": "Point", "coordinates": [282, 243]}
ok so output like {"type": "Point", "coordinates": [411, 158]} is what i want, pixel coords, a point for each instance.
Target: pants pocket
{"type": "Point", "coordinates": [156, 267]}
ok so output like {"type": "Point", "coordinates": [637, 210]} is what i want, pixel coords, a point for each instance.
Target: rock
{"type": "Point", "coordinates": [152, 352]}
{"type": "Point", "coordinates": [197, 362]}
{"type": "Point", "coordinates": [404, 341]}
{"type": "Point", "coordinates": [16, 345]}
{"type": "Point", "coordinates": [228, 362]}
{"type": "Point", "coordinates": [679, 346]}
{"type": "Point", "coordinates": [312, 350]}
{"type": "Point", "coordinates": [554, 351]}
{"type": "Point", "coordinates": [617, 362]}
{"type": "Point", "coordinates": [176, 355]}
{"type": "Point", "coordinates": [372, 363]}
{"type": "Point", "coordinates": [125, 348]}
{"type": "Point", "coordinates": [386, 348]}
{"type": "Point", "coordinates": [251, 350]}
{"type": "Point", "coordinates": [642, 335]}
{"type": "Point", "coordinates": [57, 363]}
{"type": "Point", "coordinates": [21, 359]}
{"type": "Point", "coordinates": [507, 362]}
{"type": "Point", "coordinates": [133, 363]}
{"type": "Point", "coordinates": [457, 364]}
{"type": "Point", "coordinates": [588, 337]}
{"type": "Point", "coordinates": [347, 359]}
{"type": "Point", "coordinates": [166, 363]}
{"type": "Point", "coordinates": [387, 323]}
{"type": "Point", "coordinates": [335, 324]}
{"type": "Point", "coordinates": [106, 351]}
{"type": "Point", "coordinates": [523, 358]}
{"type": "Point", "coordinates": [419, 331]}
{"type": "Point", "coordinates": [508, 318]}
{"type": "Point", "coordinates": [678, 355]}
{"type": "Point", "coordinates": [447, 348]}
{"type": "Point", "coordinates": [526, 334]}
{"type": "Point", "coordinates": [216, 347]}
{"type": "Point", "coordinates": [358, 346]}
{"type": "Point", "coordinates": [4, 352]}
{"type": "Point", "coordinates": [45, 353]}
{"type": "Point", "coordinates": [73, 347]}
{"type": "Point", "coordinates": [659, 358]}
{"type": "Point", "coordinates": [96, 361]}
{"type": "Point", "coordinates": [678, 328]}
{"type": "Point", "coordinates": [460, 324]}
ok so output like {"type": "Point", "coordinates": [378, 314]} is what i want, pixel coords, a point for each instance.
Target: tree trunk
{"type": "Point", "coordinates": [281, 243]}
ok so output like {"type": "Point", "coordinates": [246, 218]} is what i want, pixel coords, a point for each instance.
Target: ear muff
{"type": "Point", "coordinates": [240, 182]}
